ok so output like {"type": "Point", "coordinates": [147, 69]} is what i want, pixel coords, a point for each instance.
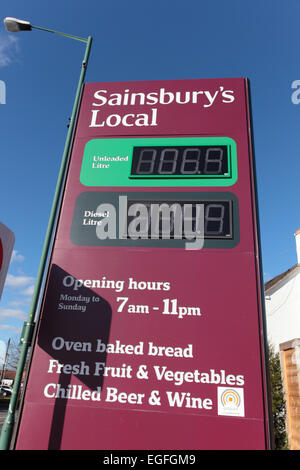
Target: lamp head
{"type": "Point", "coordinates": [13, 25]}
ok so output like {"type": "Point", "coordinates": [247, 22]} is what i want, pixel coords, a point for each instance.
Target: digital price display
{"type": "Point", "coordinates": [163, 217]}
{"type": "Point", "coordinates": [185, 162]}
{"type": "Point", "coordinates": [151, 330]}
{"type": "Point", "coordinates": [181, 161]}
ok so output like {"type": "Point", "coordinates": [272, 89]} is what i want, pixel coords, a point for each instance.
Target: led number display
{"type": "Point", "coordinates": [181, 161]}
{"type": "Point", "coordinates": [180, 219]}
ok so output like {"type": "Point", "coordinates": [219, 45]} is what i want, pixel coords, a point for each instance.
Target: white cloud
{"type": "Point", "coordinates": [15, 329]}
{"type": "Point", "coordinates": [8, 49]}
{"type": "Point", "coordinates": [13, 313]}
{"type": "Point", "coordinates": [18, 281]}
{"type": "Point", "coordinates": [28, 291]}
{"type": "Point", "coordinates": [17, 257]}
{"type": "Point", "coordinates": [16, 303]}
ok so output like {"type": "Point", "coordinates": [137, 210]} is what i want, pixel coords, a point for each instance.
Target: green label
{"type": "Point", "coordinates": [160, 162]}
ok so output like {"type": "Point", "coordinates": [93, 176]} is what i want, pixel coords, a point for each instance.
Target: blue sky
{"type": "Point", "coordinates": [139, 40]}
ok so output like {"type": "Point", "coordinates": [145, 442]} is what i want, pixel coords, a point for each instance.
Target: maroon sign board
{"type": "Point", "coordinates": [151, 331]}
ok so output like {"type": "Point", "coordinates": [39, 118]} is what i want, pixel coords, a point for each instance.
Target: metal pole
{"type": "Point", "coordinates": [8, 425]}
{"type": "Point", "coordinates": [61, 34]}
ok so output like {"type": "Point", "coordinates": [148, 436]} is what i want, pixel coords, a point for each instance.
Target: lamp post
{"type": "Point", "coordinates": [16, 25]}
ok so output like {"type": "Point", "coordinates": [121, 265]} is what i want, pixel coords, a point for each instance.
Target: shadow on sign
{"type": "Point", "coordinates": [71, 324]}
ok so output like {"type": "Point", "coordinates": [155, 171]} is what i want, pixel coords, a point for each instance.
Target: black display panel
{"type": "Point", "coordinates": [180, 219]}
{"type": "Point", "coordinates": [113, 218]}
{"type": "Point", "coordinates": [180, 161]}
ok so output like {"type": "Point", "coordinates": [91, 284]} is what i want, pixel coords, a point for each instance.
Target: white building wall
{"type": "Point", "coordinates": [283, 310]}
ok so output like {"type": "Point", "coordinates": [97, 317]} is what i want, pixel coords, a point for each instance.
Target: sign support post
{"type": "Point", "coordinates": [7, 428]}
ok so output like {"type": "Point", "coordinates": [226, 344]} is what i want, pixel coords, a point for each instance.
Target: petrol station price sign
{"type": "Point", "coordinates": [151, 330]}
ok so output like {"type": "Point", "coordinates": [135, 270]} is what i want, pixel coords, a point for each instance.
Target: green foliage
{"type": "Point", "coordinates": [278, 402]}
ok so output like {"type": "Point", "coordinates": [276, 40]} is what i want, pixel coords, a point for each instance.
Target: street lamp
{"type": "Point", "coordinates": [15, 25]}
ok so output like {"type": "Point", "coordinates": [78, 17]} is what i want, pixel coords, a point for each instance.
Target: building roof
{"type": "Point", "coordinates": [280, 277]}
